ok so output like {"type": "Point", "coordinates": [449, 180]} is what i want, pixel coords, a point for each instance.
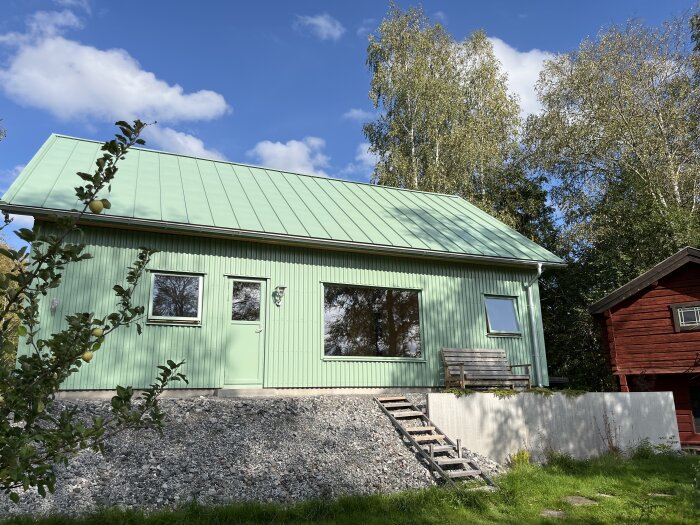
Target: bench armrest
{"type": "Point", "coordinates": [521, 366]}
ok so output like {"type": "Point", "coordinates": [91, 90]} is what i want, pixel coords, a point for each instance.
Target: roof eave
{"type": "Point", "coordinates": [636, 285]}
{"type": "Point", "coordinates": [256, 236]}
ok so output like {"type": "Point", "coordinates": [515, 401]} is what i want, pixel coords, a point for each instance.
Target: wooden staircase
{"type": "Point", "coordinates": [442, 455]}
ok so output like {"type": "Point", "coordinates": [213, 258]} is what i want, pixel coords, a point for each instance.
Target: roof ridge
{"type": "Point", "coordinates": [265, 168]}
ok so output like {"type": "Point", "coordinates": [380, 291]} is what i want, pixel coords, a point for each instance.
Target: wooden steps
{"type": "Point", "coordinates": [431, 437]}
{"type": "Point", "coordinates": [419, 429]}
{"type": "Point", "coordinates": [427, 440]}
{"type": "Point", "coordinates": [463, 473]}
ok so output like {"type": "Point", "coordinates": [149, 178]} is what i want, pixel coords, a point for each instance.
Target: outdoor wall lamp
{"type": "Point", "coordinates": [278, 294]}
{"type": "Point", "coordinates": [54, 305]}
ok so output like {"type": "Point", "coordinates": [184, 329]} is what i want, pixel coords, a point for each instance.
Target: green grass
{"type": "Point", "coordinates": [621, 488]}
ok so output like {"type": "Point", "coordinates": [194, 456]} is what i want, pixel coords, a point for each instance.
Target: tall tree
{"type": "Point", "coordinates": [618, 138]}
{"type": "Point", "coordinates": [447, 122]}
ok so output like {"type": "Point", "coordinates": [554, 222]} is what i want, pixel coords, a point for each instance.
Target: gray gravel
{"type": "Point", "coordinates": [221, 450]}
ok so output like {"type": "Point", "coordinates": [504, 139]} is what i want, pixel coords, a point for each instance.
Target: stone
{"type": "Point", "coordinates": [579, 500]}
{"type": "Point", "coordinates": [220, 450]}
{"type": "Point", "coordinates": [551, 513]}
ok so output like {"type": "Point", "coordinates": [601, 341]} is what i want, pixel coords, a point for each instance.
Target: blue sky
{"type": "Point", "coordinates": [282, 84]}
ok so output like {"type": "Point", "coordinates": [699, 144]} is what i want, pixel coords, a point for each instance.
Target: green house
{"type": "Point", "coordinates": [270, 279]}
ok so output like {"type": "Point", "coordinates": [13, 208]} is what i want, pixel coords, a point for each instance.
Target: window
{"type": "Point", "coordinates": [245, 304]}
{"type": "Point", "coordinates": [371, 322]}
{"type": "Point", "coordinates": [176, 298]}
{"type": "Point", "coordinates": [501, 316]}
{"type": "Point", "coordinates": [686, 316]}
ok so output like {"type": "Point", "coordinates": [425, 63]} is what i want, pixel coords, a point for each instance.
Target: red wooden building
{"type": "Point", "coordinates": [651, 328]}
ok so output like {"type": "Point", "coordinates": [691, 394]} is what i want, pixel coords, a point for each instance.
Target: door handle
{"type": "Point", "coordinates": [258, 330]}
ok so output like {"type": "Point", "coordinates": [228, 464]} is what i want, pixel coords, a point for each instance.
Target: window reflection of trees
{"type": "Point", "coordinates": [377, 322]}
{"type": "Point", "coordinates": [175, 296]}
{"type": "Point", "coordinates": [245, 304]}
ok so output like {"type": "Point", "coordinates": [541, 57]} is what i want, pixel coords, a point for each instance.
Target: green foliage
{"type": "Point", "coordinates": [503, 393]}
{"type": "Point", "coordinates": [459, 392]}
{"type": "Point", "coordinates": [618, 139]}
{"type": "Point", "coordinates": [520, 459]}
{"type": "Point", "coordinates": [34, 434]}
{"type": "Point", "coordinates": [447, 122]}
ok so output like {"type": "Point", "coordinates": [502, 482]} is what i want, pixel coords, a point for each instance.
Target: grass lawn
{"type": "Point", "coordinates": [648, 489]}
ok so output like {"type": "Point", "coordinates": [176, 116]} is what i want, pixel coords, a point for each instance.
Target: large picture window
{"type": "Point", "coordinates": [371, 322]}
{"type": "Point", "coordinates": [501, 315]}
{"type": "Point", "coordinates": [176, 298]}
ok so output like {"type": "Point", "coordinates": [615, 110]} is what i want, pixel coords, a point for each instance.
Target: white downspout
{"type": "Point", "coordinates": [533, 326]}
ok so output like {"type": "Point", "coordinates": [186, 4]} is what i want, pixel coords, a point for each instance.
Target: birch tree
{"type": "Point", "coordinates": [447, 122]}
{"type": "Point", "coordinates": [620, 118]}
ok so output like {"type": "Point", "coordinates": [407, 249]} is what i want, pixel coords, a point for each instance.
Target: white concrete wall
{"type": "Point", "coordinates": [577, 426]}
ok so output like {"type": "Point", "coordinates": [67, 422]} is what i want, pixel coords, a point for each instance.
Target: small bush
{"type": "Point", "coordinates": [644, 450]}
{"type": "Point", "coordinates": [459, 392]}
{"type": "Point", "coordinates": [541, 391]}
{"type": "Point", "coordinates": [502, 393]}
{"type": "Point", "coordinates": [520, 459]}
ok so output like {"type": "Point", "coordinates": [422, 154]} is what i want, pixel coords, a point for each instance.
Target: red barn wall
{"type": "Point", "coordinates": [639, 330]}
{"type": "Point", "coordinates": [643, 345]}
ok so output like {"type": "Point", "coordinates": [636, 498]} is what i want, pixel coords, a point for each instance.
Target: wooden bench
{"type": "Point", "coordinates": [482, 367]}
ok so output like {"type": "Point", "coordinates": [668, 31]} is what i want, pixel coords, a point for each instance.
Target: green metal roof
{"type": "Point", "coordinates": [179, 192]}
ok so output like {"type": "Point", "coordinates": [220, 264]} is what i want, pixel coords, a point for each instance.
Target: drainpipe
{"type": "Point", "coordinates": [533, 326]}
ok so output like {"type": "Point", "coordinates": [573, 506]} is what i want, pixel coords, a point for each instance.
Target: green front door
{"type": "Point", "coordinates": [243, 363]}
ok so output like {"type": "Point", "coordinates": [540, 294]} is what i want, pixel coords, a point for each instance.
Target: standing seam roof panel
{"type": "Point", "coordinates": [455, 215]}
{"type": "Point", "coordinates": [180, 189]}
{"type": "Point", "coordinates": [247, 218]}
{"type": "Point", "coordinates": [219, 205]}
{"type": "Point", "coordinates": [369, 230]}
{"type": "Point", "coordinates": [443, 241]}
{"type": "Point", "coordinates": [196, 201]}
{"type": "Point", "coordinates": [399, 226]}
{"type": "Point", "coordinates": [317, 207]}
{"type": "Point", "coordinates": [358, 199]}
{"type": "Point", "coordinates": [285, 213]}
{"type": "Point", "coordinates": [263, 210]}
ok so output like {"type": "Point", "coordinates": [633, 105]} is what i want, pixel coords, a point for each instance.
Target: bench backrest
{"type": "Point", "coordinates": [481, 362]}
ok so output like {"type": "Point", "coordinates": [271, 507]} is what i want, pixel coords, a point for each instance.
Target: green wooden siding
{"type": "Point", "coordinates": [452, 310]}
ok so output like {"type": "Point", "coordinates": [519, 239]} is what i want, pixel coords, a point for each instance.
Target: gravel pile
{"type": "Point", "coordinates": [221, 450]}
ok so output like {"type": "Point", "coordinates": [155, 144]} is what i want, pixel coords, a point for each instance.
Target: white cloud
{"type": "Point", "coordinates": [440, 16]}
{"type": "Point", "coordinates": [7, 176]}
{"type": "Point", "coordinates": [72, 80]}
{"type": "Point", "coordinates": [323, 26]}
{"type": "Point", "coordinates": [366, 26]}
{"type": "Point", "coordinates": [364, 162]}
{"type": "Point", "coordinates": [78, 4]}
{"type": "Point", "coordinates": [178, 142]}
{"type": "Point", "coordinates": [21, 221]}
{"type": "Point", "coordinates": [358, 114]}
{"type": "Point", "coordinates": [523, 69]}
{"type": "Point", "coordinates": [302, 156]}
{"type": "Point", "coordinates": [41, 25]}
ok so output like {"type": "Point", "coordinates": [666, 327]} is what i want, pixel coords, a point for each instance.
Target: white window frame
{"type": "Point", "coordinates": [514, 302]}
{"type": "Point", "coordinates": [163, 319]}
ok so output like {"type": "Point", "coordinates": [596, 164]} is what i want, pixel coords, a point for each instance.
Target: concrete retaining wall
{"type": "Point", "coordinates": [581, 426]}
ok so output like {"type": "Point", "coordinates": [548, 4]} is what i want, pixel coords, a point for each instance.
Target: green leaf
{"type": "Point", "coordinates": [21, 330]}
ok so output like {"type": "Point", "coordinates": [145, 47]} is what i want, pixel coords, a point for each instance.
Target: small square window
{"type": "Point", "coordinates": [686, 316]}
{"type": "Point", "coordinates": [176, 298]}
{"type": "Point", "coordinates": [502, 315]}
